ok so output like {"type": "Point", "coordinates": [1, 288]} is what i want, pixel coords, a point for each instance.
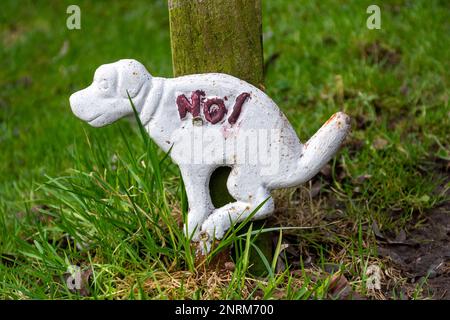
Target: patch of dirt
{"type": "Point", "coordinates": [12, 34]}
{"type": "Point", "coordinates": [379, 53]}
{"type": "Point", "coordinates": [425, 256]}
{"type": "Point", "coordinates": [37, 214]}
{"type": "Point", "coordinates": [416, 261]}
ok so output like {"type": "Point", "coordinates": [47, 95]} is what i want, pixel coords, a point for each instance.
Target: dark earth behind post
{"type": "Point", "coordinates": [219, 36]}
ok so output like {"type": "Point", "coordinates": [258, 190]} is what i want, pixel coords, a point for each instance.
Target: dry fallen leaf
{"type": "Point", "coordinates": [326, 171]}
{"type": "Point", "coordinates": [315, 189]}
{"type": "Point", "coordinates": [379, 143]}
{"type": "Point", "coordinates": [362, 178]}
{"type": "Point", "coordinates": [229, 265]}
{"type": "Point", "coordinates": [339, 287]}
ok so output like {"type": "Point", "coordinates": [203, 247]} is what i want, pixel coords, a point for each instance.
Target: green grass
{"type": "Point", "coordinates": [110, 201]}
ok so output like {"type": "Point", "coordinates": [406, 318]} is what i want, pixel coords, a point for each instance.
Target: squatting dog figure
{"type": "Point", "coordinates": [213, 120]}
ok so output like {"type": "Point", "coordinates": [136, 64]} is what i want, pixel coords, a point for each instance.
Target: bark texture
{"type": "Point", "coordinates": [217, 36]}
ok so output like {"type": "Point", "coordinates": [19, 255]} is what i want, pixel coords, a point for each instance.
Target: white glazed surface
{"type": "Point", "coordinates": [261, 147]}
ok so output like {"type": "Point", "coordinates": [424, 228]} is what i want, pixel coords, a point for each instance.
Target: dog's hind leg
{"type": "Point", "coordinates": [196, 181]}
{"type": "Point", "coordinates": [245, 185]}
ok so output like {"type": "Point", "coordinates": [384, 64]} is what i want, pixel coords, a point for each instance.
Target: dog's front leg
{"type": "Point", "coordinates": [196, 182]}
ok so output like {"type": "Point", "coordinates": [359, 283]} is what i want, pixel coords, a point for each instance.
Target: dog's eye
{"type": "Point", "coordinates": [103, 84]}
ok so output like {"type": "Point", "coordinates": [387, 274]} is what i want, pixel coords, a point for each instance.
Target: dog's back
{"type": "Point", "coordinates": [260, 134]}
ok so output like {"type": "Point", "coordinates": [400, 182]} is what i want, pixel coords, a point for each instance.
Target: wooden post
{"type": "Point", "coordinates": [219, 36]}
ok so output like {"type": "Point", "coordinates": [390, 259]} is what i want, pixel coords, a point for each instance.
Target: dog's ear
{"type": "Point", "coordinates": [132, 76]}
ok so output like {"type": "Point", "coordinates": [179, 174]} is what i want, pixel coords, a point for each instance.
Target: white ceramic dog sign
{"type": "Point", "coordinates": [213, 120]}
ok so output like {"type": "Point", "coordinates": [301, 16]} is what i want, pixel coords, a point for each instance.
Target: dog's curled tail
{"type": "Point", "coordinates": [320, 149]}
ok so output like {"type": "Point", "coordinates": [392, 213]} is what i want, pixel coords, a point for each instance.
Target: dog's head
{"type": "Point", "coordinates": [106, 99]}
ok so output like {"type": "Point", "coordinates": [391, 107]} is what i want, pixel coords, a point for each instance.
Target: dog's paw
{"type": "Point", "coordinates": [215, 227]}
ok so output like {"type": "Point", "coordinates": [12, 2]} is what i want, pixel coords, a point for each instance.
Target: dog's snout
{"type": "Point", "coordinates": [79, 103]}
{"type": "Point", "coordinates": [74, 101]}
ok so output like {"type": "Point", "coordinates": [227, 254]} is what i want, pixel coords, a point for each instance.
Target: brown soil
{"type": "Point", "coordinates": [425, 256]}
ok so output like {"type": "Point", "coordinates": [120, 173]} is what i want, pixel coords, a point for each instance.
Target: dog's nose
{"type": "Point", "coordinates": [73, 103]}
{"type": "Point", "coordinates": [77, 104]}
{"type": "Point", "coordinates": [72, 100]}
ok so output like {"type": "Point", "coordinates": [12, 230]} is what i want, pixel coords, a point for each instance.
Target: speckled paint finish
{"type": "Point", "coordinates": [212, 120]}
